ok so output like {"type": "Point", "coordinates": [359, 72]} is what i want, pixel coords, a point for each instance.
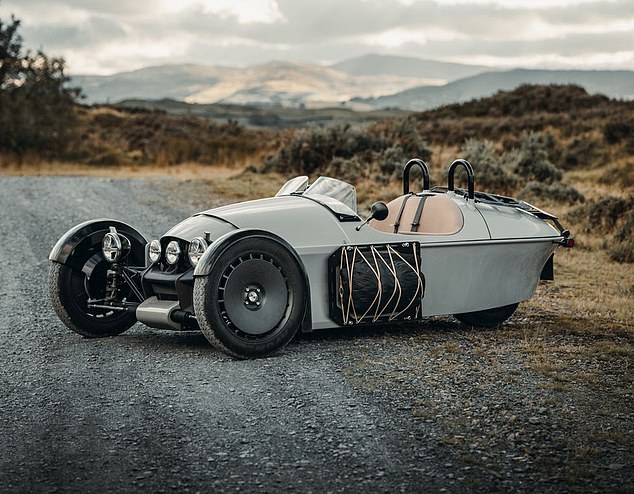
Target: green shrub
{"type": "Point", "coordinates": [390, 164]}
{"type": "Point", "coordinates": [489, 172]}
{"type": "Point", "coordinates": [531, 160]}
{"type": "Point", "coordinates": [622, 249]}
{"type": "Point", "coordinates": [411, 141]}
{"type": "Point", "coordinates": [583, 151]}
{"type": "Point", "coordinates": [616, 131]}
{"type": "Point", "coordinates": [557, 192]}
{"type": "Point", "coordinates": [348, 169]}
{"type": "Point", "coordinates": [314, 148]}
{"type": "Point", "coordinates": [602, 216]}
{"type": "Point", "coordinates": [612, 217]}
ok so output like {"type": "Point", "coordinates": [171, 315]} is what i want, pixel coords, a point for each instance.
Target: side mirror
{"type": "Point", "coordinates": [378, 211]}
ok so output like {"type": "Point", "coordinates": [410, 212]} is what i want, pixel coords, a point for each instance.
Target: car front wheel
{"type": "Point", "coordinates": [253, 301]}
{"type": "Point", "coordinates": [70, 290]}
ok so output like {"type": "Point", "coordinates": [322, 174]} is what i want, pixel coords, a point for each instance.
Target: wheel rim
{"type": "Point", "coordinates": [253, 295]}
{"type": "Point", "coordinates": [81, 289]}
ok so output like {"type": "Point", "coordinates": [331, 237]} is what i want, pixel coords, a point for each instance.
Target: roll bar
{"type": "Point", "coordinates": [470, 179]}
{"type": "Point", "coordinates": [424, 170]}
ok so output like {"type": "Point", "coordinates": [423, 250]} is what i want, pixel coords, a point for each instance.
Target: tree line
{"type": "Point", "coordinates": [36, 106]}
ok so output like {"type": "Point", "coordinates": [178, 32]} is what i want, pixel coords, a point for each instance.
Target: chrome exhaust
{"type": "Point", "coordinates": [158, 313]}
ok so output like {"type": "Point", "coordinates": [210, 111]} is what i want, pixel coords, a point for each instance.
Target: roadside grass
{"type": "Point", "coordinates": [183, 171]}
{"type": "Point", "coordinates": [591, 294]}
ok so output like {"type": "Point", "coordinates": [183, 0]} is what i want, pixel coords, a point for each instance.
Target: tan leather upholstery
{"type": "Point", "coordinates": [440, 216]}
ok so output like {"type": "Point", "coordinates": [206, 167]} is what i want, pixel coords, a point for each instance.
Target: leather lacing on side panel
{"type": "Point", "coordinates": [400, 304]}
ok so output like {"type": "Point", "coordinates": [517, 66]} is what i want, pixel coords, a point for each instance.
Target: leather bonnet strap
{"type": "Point", "coordinates": [400, 212]}
{"type": "Point", "coordinates": [419, 212]}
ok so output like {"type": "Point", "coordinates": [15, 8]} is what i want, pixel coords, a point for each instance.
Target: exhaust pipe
{"type": "Point", "coordinates": [164, 314]}
{"type": "Point", "coordinates": [157, 313]}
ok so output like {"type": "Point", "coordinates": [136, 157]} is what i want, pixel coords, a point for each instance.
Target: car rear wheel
{"type": "Point", "coordinates": [488, 318]}
{"type": "Point", "coordinates": [253, 301]}
{"type": "Point", "coordinates": [70, 289]}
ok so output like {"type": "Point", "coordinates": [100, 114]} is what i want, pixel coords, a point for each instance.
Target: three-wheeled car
{"type": "Point", "coordinates": [251, 275]}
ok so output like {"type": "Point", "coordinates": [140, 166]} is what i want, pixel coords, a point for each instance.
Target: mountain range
{"type": "Point", "coordinates": [363, 83]}
{"type": "Point", "coordinates": [612, 83]}
{"type": "Point", "coordinates": [278, 83]}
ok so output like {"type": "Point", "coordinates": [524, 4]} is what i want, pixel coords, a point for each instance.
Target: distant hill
{"type": "Point", "coordinates": [373, 64]}
{"type": "Point", "coordinates": [615, 84]}
{"type": "Point", "coordinates": [273, 83]}
{"type": "Point", "coordinates": [586, 122]}
{"type": "Point", "coordinates": [362, 83]}
{"type": "Point", "coordinates": [164, 81]}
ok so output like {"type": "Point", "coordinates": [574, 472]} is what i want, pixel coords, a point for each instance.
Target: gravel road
{"type": "Point", "coordinates": [427, 408]}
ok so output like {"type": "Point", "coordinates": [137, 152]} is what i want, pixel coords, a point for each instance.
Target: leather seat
{"type": "Point", "coordinates": [431, 214]}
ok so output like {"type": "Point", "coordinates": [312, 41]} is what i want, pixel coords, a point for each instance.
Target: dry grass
{"type": "Point", "coordinates": [248, 185]}
{"type": "Point", "coordinates": [593, 291]}
{"type": "Point", "coordinates": [185, 171]}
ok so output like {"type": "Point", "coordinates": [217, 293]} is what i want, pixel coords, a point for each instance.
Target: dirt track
{"type": "Point", "coordinates": [406, 409]}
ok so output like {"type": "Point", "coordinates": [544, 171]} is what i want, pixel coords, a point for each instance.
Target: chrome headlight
{"type": "Point", "coordinates": [197, 248]}
{"type": "Point", "coordinates": [154, 252]}
{"type": "Point", "coordinates": [172, 252]}
{"type": "Point", "coordinates": [114, 246]}
{"type": "Point", "coordinates": [111, 247]}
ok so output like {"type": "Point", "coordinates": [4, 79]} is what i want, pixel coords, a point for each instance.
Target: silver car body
{"type": "Point", "coordinates": [494, 260]}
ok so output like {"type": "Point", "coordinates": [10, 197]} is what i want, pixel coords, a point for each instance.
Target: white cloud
{"type": "Point", "coordinates": [616, 60]}
{"type": "Point", "coordinates": [513, 4]}
{"type": "Point", "coordinates": [245, 11]}
{"type": "Point", "coordinates": [395, 38]}
{"type": "Point", "coordinates": [102, 36]}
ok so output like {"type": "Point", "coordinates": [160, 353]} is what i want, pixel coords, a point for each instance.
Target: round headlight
{"type": "Point", "coordinates": [154, 252]}
{"type": "Point", "coordinates": [197, 248]}
{"type": "Point", "coordinates": [111, 247]}
{"type": "Point", "coordinates": [172, 252]}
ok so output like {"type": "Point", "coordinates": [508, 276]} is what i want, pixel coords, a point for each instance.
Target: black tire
{"type": "Point", "coordinates": [68, 293]}
{"type": "Point", "coordinates": [489, 318]}
{"type": "Point", "coordinates": [232, 321]}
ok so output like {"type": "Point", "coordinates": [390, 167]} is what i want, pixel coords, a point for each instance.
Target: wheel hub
{"type": "Point", "coordinates": [253, 297]}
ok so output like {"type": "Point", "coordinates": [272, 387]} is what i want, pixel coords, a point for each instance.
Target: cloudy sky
{"type": "Point", "coordinates": [106, 36]}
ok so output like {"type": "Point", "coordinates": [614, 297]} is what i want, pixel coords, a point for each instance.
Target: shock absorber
{"type": "Point", "coordinates": [113, 277]}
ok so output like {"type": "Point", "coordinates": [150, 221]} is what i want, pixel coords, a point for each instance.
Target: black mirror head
{"type": "Point", "coordinates": [378, 211]}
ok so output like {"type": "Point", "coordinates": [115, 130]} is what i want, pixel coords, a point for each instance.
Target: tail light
{"type": "Point", "coordinates": [568, 242]}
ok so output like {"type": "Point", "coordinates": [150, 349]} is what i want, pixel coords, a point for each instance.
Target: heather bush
{"type": "Point", "coordinates": [348, 169]}
{"type": "Point", "coordinates": [602, 216]}
{"type": "Point", "coordinates": [488, 168]}
{"type": "Point", "coordinates": [557, 192]}
{"type": "Point", "coordinates": [613, 219]}
{"type": "Point", "coordinates": [314, 148]}
{"type": "Point", "coordinates": [119, 137]}
{"type": "Point", "coordinates": [390, 164]}
{"type": "Point", "coordinates": [410, 140]}
{"type": "Point", "coordinates": [619, 173]}
{"type": "Point", "coordinates": [584, 151]}
{"type": "Point", "coordinates": [622, 248]}
{"type": "Point", "coordinates": [531, 161]}
{"type": "Point", "coordinates": [617, 130]}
